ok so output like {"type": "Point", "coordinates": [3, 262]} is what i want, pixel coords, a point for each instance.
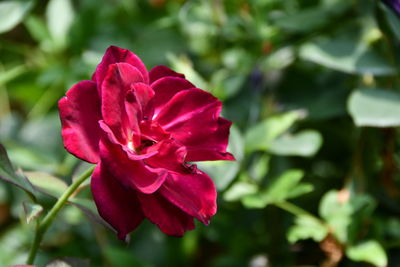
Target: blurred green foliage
{"type": "Point", "coordinates": [311, 86]}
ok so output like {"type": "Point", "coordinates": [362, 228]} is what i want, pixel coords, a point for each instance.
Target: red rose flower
{"type": "Point", "coordinates": [141, 129]}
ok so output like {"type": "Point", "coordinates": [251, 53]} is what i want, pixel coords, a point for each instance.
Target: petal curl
{"type": "Point", "coordinates": [170, 219]}
{"type": "Point", "coordinates": [115, 87]}
{"type": "Point", "coordinates": [117, 205]}
{"type": "Point", "coordinates": [165, 88]}
{"type": "Point", "coordinates": [193, 193]}
{"type": "Point", "coordinates": [79, 113]}
{"type": "Point", "coordinates": [170, 155]}
{"type": "Point", "coordinates": [117, 55]}
{"type": "Point", "coordinates": [192, 118]}
{"type": "Point", "coordinates": [162, 71]}
{"type": "Point", "coordinates": [211, 146]}
{"type": "Point", "coordinates": [131, 172]}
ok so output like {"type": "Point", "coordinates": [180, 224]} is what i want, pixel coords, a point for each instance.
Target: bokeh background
{"type": "Point", "coordinates": [312, 88]}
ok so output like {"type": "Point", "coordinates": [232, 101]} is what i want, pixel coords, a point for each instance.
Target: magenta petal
{"type": "Point", "coordinates": [186, 105]}
{"type": "Point", "coordinates": [117, 205]}
{"type": "Point", "coordinates": [162, 71]}
{"type": "Point", "coordinates": [117, 83]}
{"type": "Point", "coordinates": [170, 219]}
{"type": "Point", "coordinates": [165, 88]}
{"type": "Point", "coordinates": [80, 113]}
{"type": "Point", "coordinates": [213, 144]}
{"type": "Point", "coordinates": [143, 93]}
{"type": "Point", "coordinates": [191, 117]}
{"type": "Point", "coordinates": [131, 173]}
{"type": "Point", "coordinates": [117, 55]}
{"type": "Point", "coordinates": [194, 193]}
{"type": "Point", "coordinates": [170, 155]}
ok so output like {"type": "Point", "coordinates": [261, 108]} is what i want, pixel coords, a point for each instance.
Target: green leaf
{"type": "Point", "coordinates": [12, 13]}
{"type": "Point", "coordinates": [281, 187]}
{"type": "Point", "coordinates": [375, 107]}
{"type": "Point", "coordinates": [60, 16]}
{"type": "Point", "coordinates": [305, 143]}
{"type": "Point", "coordinates": [238, 190]}
{"type": "Point", "coordinates": [392, 21]}
{"type": "Point", "coordinates": [347, 54]}
{"type": "Point", "coordinates": [337, 213]}
{"type": "Point", "coordinates": [32, 211]}
{"type": "Point", "coordinates": [47, 183]}
{"type": "Point", "coordinates": [260, 136]}
{"type": "Point", "coordinates": [304, 20]}
{"type": "Point", "coordinates": [279, 59]}
{"type": "Point", "coordinates": [88, 207]}
{"type": "Point", "coordinates": [284, 187]}
{"type": "Point", "coordinates": [10, 74]}
{"type": "Point", "coordinates": [8, 174]}
{"type": "Point", "coordinates": [307, 227]}
{"type": "Point", "coordinates": [369, 251]}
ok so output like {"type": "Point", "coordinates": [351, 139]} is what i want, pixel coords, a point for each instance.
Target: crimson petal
{"type": "Point", "coordinates": [161, 71]}
{"type": "Point", "coordinates": [132, 173]}
{"type": "Point", "coordinates": [114, 90]}
{"type": "Point", "coordinates": [170, 219]}
{"type": "Point", "coordinates": [192, 118]}
{"type": "Point", "coordinates": [79, 114]}
{"type": "Point", "coordinates": [170, 155]}
{"type": "Point", "coordinates": [117, 205]}
{"type": "Point", "coordinates": [165, 88]}
{"type": "Point", "coordinates": [117, 55]}
{"type": "Point", "coordinates": [212, 146]}
{"type": "Point", "coordinates": [194, 193]}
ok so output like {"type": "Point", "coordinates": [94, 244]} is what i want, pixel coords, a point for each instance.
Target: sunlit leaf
{"type": "Point", "coordinates": [346, 54]}
{"type": "Point", "coordinates": [337, 212]}
{"type": "Point", "coordinates": [307, 227]}
{"type": "Point", "coordinates": [60, 16]}
{"type": "Point", "coordinates": [375, 107]}
{"type": "Point", "coordinates": [88, 207]}
{"type": "Point", "coordinates": [239, 190]}
{"type": "Point", "coordinates": [260, 136]}
{"type": "Point", "coordinates": [12, 13]}
{"type": "Point", "coordinates": [304, 20]}
{"type": "Point", "coordinates": [47, 183]}
{"type": "Point", "coordinates": [305, 143]}
{"type": "Point", "coordinates": [368, 251]}
{"type": "Point", "coordinates": [284, 187]}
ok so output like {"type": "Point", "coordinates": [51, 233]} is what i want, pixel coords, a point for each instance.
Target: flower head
{"type": "Point", "coordinates": [142, 129]}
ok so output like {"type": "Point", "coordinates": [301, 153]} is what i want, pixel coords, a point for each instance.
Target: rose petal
{"type": "Point", "coordinates": [170, 155]}
{"type": "Point", "coordinates": [161, 71]}
{"type": "Point", "coordinates": [116, 55]}
{"type": "Point", "coordinates": [192, 118]}
{"type": "Point", "coordinates": [117, 83]}
{"type": "Point", "coordinates": [165, 88]}
{"type": "Point", "coordinates": [117, 205]}
{"type": "Point", "coordinates": [143, 93]}
{"type": "Point", "coordinates": [194, 193]}
{"type": "Point", "coordinates": [212, 146]}
{"type": "Point", "coordinates": [170, 219]}
{"type": "Point", "coordinates": [79, 114]}
{"type": "Point", "coordinates": [131, 173]}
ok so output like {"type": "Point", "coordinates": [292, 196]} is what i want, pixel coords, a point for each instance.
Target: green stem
{"type": "Point", "coordinates": [46, 222]}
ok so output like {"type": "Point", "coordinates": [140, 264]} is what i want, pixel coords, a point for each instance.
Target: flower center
{"type": "Point", "coordinates": [130, 145]}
